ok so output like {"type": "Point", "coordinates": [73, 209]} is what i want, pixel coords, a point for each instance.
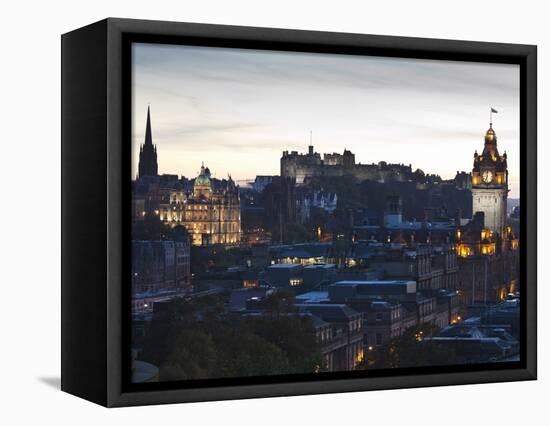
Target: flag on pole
{"type": "Point", "coordinates": [494, 110]}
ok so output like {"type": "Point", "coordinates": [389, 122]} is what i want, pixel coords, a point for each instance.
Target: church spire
{"type": "Point", "coordinates": [148, 137]}
{"type": "Point", "coordinates": [148, 152]}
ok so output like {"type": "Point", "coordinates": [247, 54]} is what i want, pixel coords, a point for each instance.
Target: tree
{"type": "Point", "coordinates": [295, 336]}
{"type": "Point", "coordinates": [192, 355]}
{"type": "Point", "coordinates": [277, 303]}
{"type": "Point", "coordinates": [242, 353]}
{"type": "Point", "coordinates": [410, 350]}
{"type": "Point", "coordinates": [293, 233]}
{"type": "Point", "coordinates": [197, 339]}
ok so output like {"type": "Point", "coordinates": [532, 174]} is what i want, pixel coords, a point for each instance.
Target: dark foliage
{"type": "Point", "coordinates": [193, 339]}
{"type": "Point", "coordinates": [410, 350]}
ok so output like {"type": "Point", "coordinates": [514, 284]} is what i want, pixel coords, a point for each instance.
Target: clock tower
{"type": "Point", "coordinates": [490, 184]}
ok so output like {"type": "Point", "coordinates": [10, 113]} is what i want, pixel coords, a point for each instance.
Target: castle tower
{"type": "Point", "coordinates": [348, 159]}
{"type": "Point", "coordinates": [148, 153]}
{"type": "Point", "coordinates": [490, 184]}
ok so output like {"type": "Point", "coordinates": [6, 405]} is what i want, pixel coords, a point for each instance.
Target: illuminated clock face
{"type": "Point", "coordinates": [487, 176]}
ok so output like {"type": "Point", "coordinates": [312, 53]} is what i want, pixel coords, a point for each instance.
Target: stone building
{"type": "Point", "coordinates": [310, 201]}
{"type": "Point", "coordinates": [432, 267]}
{"type": "Point", "coordinates": [489, 263]}
{"type": "Point", "coordinates": [487, 246]}
{"type": "Point", "coordinates": [490, 184]}
{"type": "Point", "coordinates": [160, 266]}
{"type": "Point", "coordinates": [300, 167]}
{"type": "Point", "coordinates": [393, 228]}
{"type": "Point", "coordinates": [210, 210]}
{"type": "Point", "coordinates": [390, 307]}
{"type": "Point", "coordinates": [340, 334]}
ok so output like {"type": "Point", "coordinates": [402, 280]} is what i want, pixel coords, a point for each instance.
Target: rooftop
{"type": "Point", "coordinates": [285, 266]}
{"type": "Point", "coordinates": [313, 297]}
{"type": "Point", "coordinates": [321, 266]}
{"type": "Point", "coordinates": [375, 282]}
{"type": "Point", "coordinates": [330, 312]}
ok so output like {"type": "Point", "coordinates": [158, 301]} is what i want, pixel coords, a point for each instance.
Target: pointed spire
{"type": "Point", "coordinates": [148, 136]}
{"type": "Point", "coordinates": [148, 165]}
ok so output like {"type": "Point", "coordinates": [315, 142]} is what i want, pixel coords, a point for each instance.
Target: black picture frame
{"type": "Point", "coordinates": [96, 90]}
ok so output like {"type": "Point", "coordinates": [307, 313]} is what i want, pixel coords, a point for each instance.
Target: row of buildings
{"type": "Point", "coordinates": [353, 319]}
{"type": "Point", "coordinates": [160, 269]}
{"type": "Point", "coordinates": [366, 274]}
{"type": "Point", "coordinates": [210, 212]}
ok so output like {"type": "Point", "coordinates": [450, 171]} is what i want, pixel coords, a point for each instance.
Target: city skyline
{"type": "Point", "coordinates": [252, 105]}
{"type": "Point", "coordinates": [327, 263]}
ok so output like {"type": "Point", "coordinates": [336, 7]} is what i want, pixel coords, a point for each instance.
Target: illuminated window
{"type": "Point", "coordinates": [295, 281]}
{"type": "Point", "coordinates": [250, 283]}
{"type": "Point", "coordinates": [360, 356]}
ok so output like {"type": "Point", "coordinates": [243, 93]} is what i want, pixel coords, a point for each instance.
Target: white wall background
{"type": "Point", "coordinates": [30, 211]}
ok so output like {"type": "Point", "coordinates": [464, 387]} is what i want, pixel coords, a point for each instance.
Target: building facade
{"type": "Point", "coordinates": [432, 267]}
{"type": "Point", "coordinates": [490, 184]}
{"type": "Point", "coordinates": [487, 247]}
{"type": "Point", "coordinates": [210, 211]}
{"type": "Point", "coordinates": [160, 266]}
{"type": "Point", "coordinates": [341, 345]}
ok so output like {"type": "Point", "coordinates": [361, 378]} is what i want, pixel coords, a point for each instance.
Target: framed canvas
{"type": "Point", "coordinates": [255, 212]}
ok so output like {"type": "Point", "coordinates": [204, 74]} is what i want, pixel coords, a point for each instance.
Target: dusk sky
{"type": "Point", "coordinates": [236, 110]}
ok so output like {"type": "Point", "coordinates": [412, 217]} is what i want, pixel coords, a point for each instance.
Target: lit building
{"type": "Point", "coordinates": [490, 184]}
{"type": "Point", "coordinates": [210, 211]}
{"type": "Point", "coordinates": [284, 275]}
{"type": "Point", "coordinates": [208, 208]}
{"type": "Point", "coordinates": [487, 247]}
{"type": "Point", "coordinates": [339, 333]}
{"type": "Point", "coordinates": [488, 263]}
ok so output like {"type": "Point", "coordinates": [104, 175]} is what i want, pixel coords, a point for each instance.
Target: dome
{"type": "Point", "coordinates": [203, 179]}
